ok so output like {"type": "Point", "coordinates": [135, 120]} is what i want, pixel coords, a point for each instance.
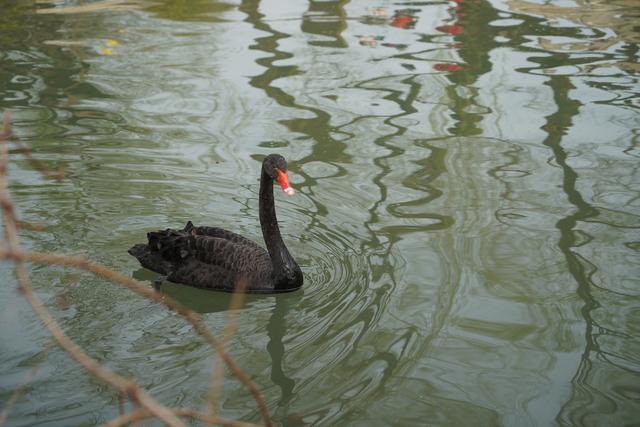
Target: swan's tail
{"type": "Point", "coordinates": [138, 250]}
{"type": "Point", "coordinates": [151, 260]}
{"type": "Point", "coordinates": [171, 245]}
{"type": "Point", "coordinates": [164, 251]}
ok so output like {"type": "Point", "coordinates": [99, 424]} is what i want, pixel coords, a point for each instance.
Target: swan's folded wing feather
{"type": "Point", "coordinates": [223, 234]}
{"type": "Point", "coordinates": [204, 275]}
{"type": "Point", "coordinates": [229, 255]}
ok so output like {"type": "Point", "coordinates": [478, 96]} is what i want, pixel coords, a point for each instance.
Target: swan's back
{"type": "Point", "coordinates": [207, 257]}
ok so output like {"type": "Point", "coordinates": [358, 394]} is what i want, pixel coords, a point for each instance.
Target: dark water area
{"type": "Point", "coordinates": [467, 214]}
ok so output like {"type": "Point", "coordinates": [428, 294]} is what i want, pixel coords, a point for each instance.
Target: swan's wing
{"type": "Point", "coordinates": [207, 261]}
{"type": "Point", "coordinates": [221, 233]}
{"type": "Point", "coordinates": [203, 275]}
{"type": "Point", "coordinates": [218, 263]}
{"type": "Point", "coordinates": [237, 257]}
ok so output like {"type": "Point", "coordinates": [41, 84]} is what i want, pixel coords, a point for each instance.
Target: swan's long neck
{"type": "Point", "coordinates": [283, 262]}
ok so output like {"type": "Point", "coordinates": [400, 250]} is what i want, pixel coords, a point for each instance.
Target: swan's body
{"type": "Point", "coordinates": [217, 259]}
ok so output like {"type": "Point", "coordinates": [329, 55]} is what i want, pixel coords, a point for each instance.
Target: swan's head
{"type": "Point", "coordinates": [275, 166]}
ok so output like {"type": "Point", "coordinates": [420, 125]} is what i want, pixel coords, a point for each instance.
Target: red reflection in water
{"type": "Point", "coordinates": [448, 66]}
{"type": "Point", "coordinates": [450, 29]}
{"type": "Point", "coordinates": [404, 21]}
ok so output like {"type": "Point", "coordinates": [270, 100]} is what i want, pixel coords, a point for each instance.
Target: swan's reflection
{"type": "Point", "coordinates": [276, 329]}
{"type": "Point", "coordinates": [207, 301]}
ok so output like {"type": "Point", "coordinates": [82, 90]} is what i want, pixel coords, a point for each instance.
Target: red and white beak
{"type": "Point", "coordinates": [283, 180]}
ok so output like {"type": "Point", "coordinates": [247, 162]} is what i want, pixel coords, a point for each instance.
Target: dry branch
{"type": "Point", "coordinates": [143, 290]}
{"type": "Point", "coordinates": [24, 149]}
{"type": "Point", "coordinates": [142, 414]}
{"type": "Point", "coordinates": [37, 164]}
{"type": "Point", "coordinates": [230, 326]}
{"type": "Point", "coordinates": [12, 252]}
{"type": "Point", "coordinates": [24, 284]}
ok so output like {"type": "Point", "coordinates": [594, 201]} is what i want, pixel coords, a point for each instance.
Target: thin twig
{"type": "Point", "coordinates": [37, 164]}
{"type": "Point", "coordinates": [6, 125]}
{"type": "Point", "coordinates": [31, 226]}
{"type": "Point", "coordinates": [120, 403]}
{"type": "Point", "coordinates": [13, 252]}
{"type": "Point", "coordinates": [23, 385]}
{"type": "Point", "coordinates": [143, 290]}
{"type": "Point", "coordinates": [217, 376]}
{"type": "Point", "coordinates": [141, 414]}
{"type": "Point", "coordinates": [26, 151]}
{"type": "Point", "coordinates": [24, 284]}
{"type": "Point", "coordinates": [11, 232]}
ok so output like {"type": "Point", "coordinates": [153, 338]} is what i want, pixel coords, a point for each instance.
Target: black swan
{"type": "Point", "coordinates": [217, 259]}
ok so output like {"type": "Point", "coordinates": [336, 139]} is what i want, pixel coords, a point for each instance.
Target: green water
{"type": "Point", "coordinates": [467, 215]}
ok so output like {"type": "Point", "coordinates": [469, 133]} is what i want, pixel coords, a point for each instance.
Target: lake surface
{"type": "Point", "coordinates": [467, 215]}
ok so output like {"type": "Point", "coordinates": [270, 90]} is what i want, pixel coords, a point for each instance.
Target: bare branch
{"type": "Point", "coordinates": [37, 164]}
{"type": "Point", "coordinates": [217, 376]}
{"type": "Point", "coordinates": [32, 226]}
{"type": "Point", "coordinates": [24, 284]}
{"type": "Point", "coordinates": [6, 125]}
{"type": "Point", "coordinates": [143, 290]}
{"type": "Point", "coordinates": [120, 403]}
{"type": "Point", "coordinates": [147, 406]}
{"type": "Point", "coordinates": [7, 134]}
{"type": "Point", "coordinates": [142, 414]}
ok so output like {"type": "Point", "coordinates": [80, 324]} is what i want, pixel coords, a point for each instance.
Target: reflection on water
{"type": "Point", "coordinates": [467, 218]}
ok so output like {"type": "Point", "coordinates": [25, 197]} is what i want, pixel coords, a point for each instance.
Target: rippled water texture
{"type": "Point", "coordinates": [467, 215]}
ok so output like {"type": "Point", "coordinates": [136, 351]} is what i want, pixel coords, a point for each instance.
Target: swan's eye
{"type": "Point", "coordinates": [283, 180]}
